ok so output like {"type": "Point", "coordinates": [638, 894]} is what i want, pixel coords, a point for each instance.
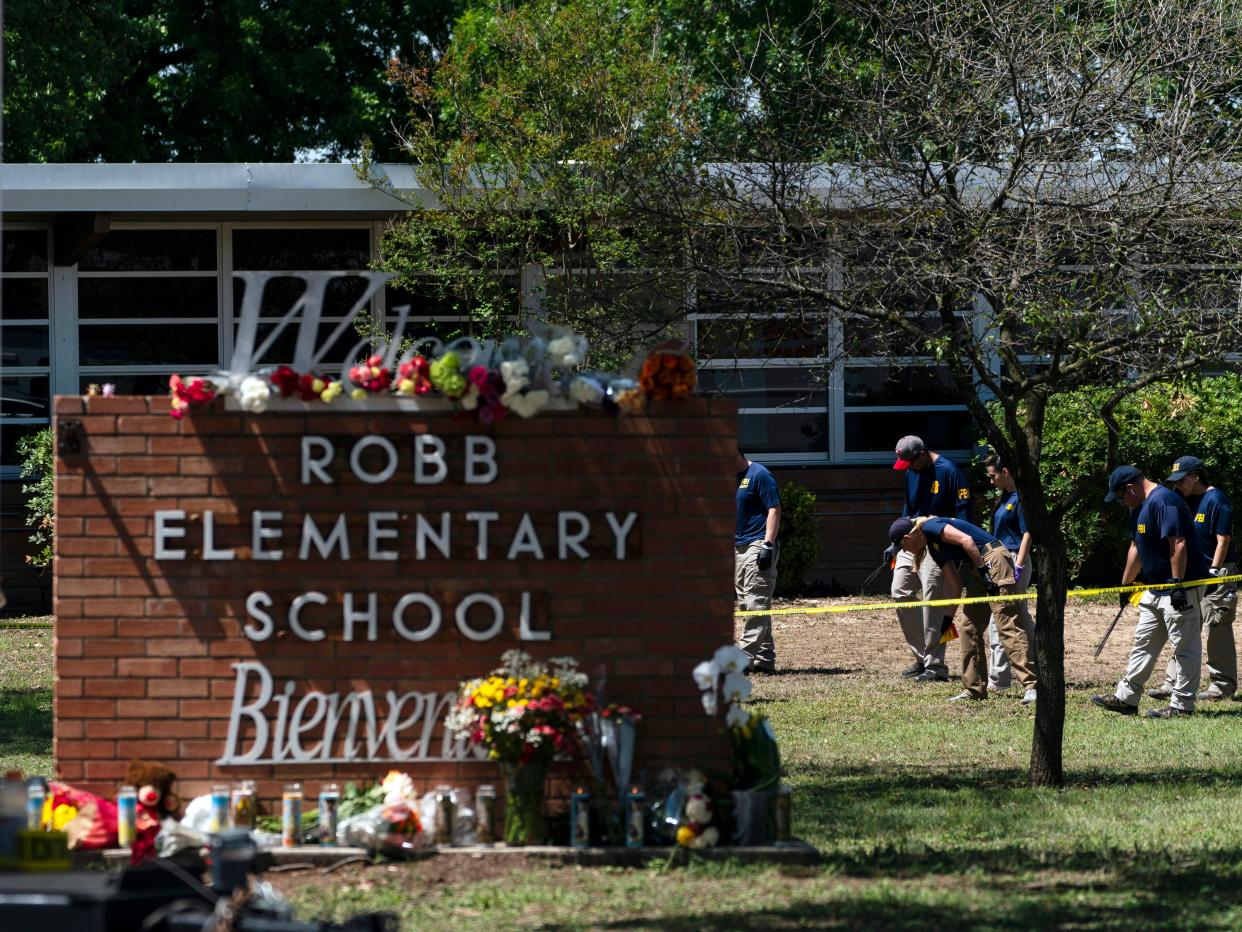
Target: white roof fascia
{"type": "Point", "coordinates": [241, 188]}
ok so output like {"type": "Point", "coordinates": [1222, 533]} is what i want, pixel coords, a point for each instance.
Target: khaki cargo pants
{"type": "Point", "coordinates": [754, 588]}
{"type": "Point", "coordinates": [920, 626]}
{"type": "Point", "coordinates": [1219, 608]}
{"type": "Point", "coordinates": [1160, 623]}
{"type": "Point", "coordinates": [1000, 673]}
{"type": "Point", "coordinates": [1007, 617]}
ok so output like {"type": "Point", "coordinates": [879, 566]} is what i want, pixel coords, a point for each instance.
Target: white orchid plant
{"type": "Point", "coordinates": [725, 687]}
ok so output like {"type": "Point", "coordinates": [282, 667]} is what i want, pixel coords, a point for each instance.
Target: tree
{"type": "Point", "coordinates": [549, 136]}
{"type": "Point", "coordinates": [1044, 198]}
{"type": "Point", "coordinates": [240, 80]}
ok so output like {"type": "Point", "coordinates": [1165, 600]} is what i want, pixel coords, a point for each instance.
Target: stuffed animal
{"type": "Point", "coordinates": [156, 801]}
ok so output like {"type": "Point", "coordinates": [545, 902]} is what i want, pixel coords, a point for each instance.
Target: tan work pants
{"type": "Point", "coordinates": [1000, 673]}
{"type": "Point", "coordinates": [920, 626]}
{"type": "Point", "coordinates": [1219, 608]}
{"type": "Point", "coordinates": [1008, 626]}
{"type": "Point", "coordinates": [754, 588]}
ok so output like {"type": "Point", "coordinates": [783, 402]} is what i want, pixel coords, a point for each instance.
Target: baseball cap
{"type": "Point", "coordinates": [899, 529]}
{"type": "Point", "coordinates": [1122, 475]}
{"type": "Point", "coordinates": [1184, 466]}
{"type": "Point", "coordinates": [908, 447]}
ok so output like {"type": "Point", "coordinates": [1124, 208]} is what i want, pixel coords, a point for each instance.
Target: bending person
{"type": "Point", "coordinates": [958, 546]}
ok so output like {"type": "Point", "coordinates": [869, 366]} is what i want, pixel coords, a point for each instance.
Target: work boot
{"type": "Point", "coordinates": [1113, 704]}
{"type": "Point", "coordinates": [1212, 694]}
{"type": "Point", "coordinates": [1160, 692]}
{"type": "Point", "coordinates": [1169, 712]}
{"type": "Point", "coordinates": [931, 676]}
{"type": "Point", "coordinates": [914, 669]}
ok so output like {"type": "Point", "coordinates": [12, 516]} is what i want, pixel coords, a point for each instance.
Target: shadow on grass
{"type": "Point", "coordinates": [25, 721]}
{"type": "Point", "coordinates": [1174, 901]}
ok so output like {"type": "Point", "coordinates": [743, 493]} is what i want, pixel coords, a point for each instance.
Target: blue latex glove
{"type": "Point", "coordinates": [1018, 570]}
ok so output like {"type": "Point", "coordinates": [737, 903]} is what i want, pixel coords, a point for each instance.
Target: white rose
{"type": "Point", "coordinates": [516, 375]}
{"type": "Point", "coordinates": [254, 394]}
{"type": "Point", "coordinates": [527, 405]}
{"type": "Point", "coordinates": [564, 352]}
{"type": "Point", "coordinates": [585, 391]}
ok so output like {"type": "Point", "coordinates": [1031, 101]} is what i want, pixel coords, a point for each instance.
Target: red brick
{"type": "Point", "coordinates": [146, 666]}
{"type": "Point", "coordinates": [85, 708]}
{"type": "Point", "coordinates": [116, 404]}
{"type": "Point", "coordinates": [146, 424]}
{"type": "Point", "coordinates": [116, 688]}
{"type": "Point", "coordinates": [147, 466]}
{"type": "Point", "coordinates": [176, 728]}
{"type": "Point", "coordinates": [118, 445]}
{"type": "Point", "coordinates": [146, 708]}
{"type": "Point", "coordinates": [178, 485]}
{"type": "Point", "coordinates": [195, 689]}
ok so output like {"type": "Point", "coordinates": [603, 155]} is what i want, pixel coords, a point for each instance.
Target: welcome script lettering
{"type": "Point", "coordinates": [270, 723]}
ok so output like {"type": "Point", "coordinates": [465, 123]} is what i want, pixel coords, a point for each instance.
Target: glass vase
{"type": "Point", "coordinates": [524, 803]}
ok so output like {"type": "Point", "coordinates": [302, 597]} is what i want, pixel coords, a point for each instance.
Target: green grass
{"type": "Point", "coordinates": [920, 809]}
{"type": "Point", "coordinates": [26, 698]}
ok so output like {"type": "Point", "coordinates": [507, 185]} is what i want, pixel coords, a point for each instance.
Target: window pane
{"type": "Point", "coordinates": [280, 294]}
{"type": "Point", "coordinates": [864, 337]}
{"type": "Point", "coordinates": [899, 385]}
{"type": "Point", "coordinates": [23, 299]}
{"type": "Point", "coordinates": [281, 351]}
{"type": "Point", "coordinates": [768, 387]}
{"type": "Point", "coordinates": [879, 431]}
{"type": "Point", "coordinates": [756, 338]}
{"type": "Point", "coordinates": [9, 438]}
{"type": "Point", "coordinates": [147, 297]}
{"type": "Point", "coordinates": [25, 250]}
{"type": "Point", "coordinates": [145, 384]}
{"type": "Point", "coordinates": [147, 344]}
{"type": "Point", "coordinates": [23, 346]}
{"type": "Point", "coordinates": [783, 433]}
{"type": "Point", "coordinates": [152, 251]}
{"type": "Point", "coordinates": [24, 396]}
{"type": "Point", "coordinates": [301, 250]}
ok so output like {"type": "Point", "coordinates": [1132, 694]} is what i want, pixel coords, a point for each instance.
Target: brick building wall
{"type": "Point", "coordinates": [146, 647]}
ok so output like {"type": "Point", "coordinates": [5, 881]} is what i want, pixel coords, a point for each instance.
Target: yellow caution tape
{"type": "Point", "coordinates": [975, 600]}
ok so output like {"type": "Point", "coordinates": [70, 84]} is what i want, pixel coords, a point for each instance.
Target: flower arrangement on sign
{"type": "Point", "coordinates": [525, 713]}
{"type": "Point", "coordinates": [519, 374]}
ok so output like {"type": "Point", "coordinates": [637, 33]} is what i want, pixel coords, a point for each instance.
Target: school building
{"type": "Point", "coordinates": [125, 274]}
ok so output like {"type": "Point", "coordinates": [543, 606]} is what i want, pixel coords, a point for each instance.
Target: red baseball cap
{"type": "Point", "coordinates": [908, 448]}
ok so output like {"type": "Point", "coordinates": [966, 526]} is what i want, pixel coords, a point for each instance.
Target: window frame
{"type": "Point", "coordinates": [12, 472]}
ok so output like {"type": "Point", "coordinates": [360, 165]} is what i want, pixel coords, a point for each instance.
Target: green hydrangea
{"type": "Point", "coordinates": [446, 375]}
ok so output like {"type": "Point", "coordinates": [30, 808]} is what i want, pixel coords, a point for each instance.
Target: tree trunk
{"type": "Point", "coordinates": [1046, 766]}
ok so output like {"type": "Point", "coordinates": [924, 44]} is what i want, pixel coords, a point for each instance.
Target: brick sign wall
{"type": "Point", "coordinates": [269, 596]}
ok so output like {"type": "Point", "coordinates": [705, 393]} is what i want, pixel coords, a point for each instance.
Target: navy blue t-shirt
{"type": "Point", "coordinates": [940, 491]}
{"type": "Point", "coordinates": [944, 553]}
{"type": "Point", "coordinates": [1009, 523]}
{"type": "Point", "coordinates": [756, 493]}
{"type": "Point", "coordinates": [1213, 515]}
{"type": "Point", "coordinates": [1163, 515]}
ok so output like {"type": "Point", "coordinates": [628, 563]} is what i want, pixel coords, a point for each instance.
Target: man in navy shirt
{"type": "Point", "coordinates": [755, 557]}
{"type": "Point", "coordinates": [959, 547]}
{"type": "Point", "coordinates": [1167, 550]}
{"type": "Point", "coordinates": [1213, 525]}
{"type": "Point", "coordinates": [1009, 527]}
{"type": "Point", "coordinates": [935, 487]}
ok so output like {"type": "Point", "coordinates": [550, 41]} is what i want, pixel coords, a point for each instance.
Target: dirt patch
{"type": "Point", "coordinates": [867, 644]}
{"type": "Point", "coordinates": [424, 875]}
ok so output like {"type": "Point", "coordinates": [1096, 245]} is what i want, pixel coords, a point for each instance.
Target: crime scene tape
{"type": "Point", "coordinates": [975, 600]}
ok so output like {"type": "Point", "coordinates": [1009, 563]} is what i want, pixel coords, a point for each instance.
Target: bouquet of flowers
{"type": "Point", "coordinates": [525, 713]}
{"type": "Point", "coordinates": [524, 710]}
{"type": "Point", "coordinates": [756, 757]}
{"type": "Point", "coordinates": [668, 372]}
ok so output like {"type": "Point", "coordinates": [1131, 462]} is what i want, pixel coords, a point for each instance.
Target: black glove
{"type": "Point", "coordinates": [765, 556]}
{"type": "Point", "coordinates": [1123, 599]}
{"type": "Point", "coordinates": [1178, 597]}
{"type": "Point", "coordinates": [986, 577]}
{"type": "Point", "coordinates": [890, 554]}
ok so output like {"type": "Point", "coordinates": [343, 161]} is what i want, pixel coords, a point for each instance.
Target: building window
{"type": "Point", "coordinates": [148, 306]}
{"type": "Point", "coordinates": [777, 367]}
{"type": "Point", "coordinates": [298, 249]}
{"type": "Point", "coordinates": [25, 340]}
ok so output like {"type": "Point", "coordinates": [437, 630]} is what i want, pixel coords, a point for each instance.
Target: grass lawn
{"type": "Point", "coordinates": [920, 809]}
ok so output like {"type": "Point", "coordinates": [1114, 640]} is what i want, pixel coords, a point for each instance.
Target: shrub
{"type": "Point", "coordinates": [798, 539]}
{"type": "Point", "coordinates": [1202, 417]}
{"type": "Point", "coordinates": [38, 465]}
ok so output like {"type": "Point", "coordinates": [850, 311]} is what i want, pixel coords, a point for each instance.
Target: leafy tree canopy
{"type": "Point", "coordinates": [235, 80]}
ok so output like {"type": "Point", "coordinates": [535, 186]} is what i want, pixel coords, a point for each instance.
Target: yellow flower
{"type": "Point", "coordinates": [685, 835]}
{"type": "Point", "coordinates": [358, 394]}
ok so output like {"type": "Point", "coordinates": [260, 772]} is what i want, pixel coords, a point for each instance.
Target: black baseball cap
{"type": "Point", "coordinates": [1121, 476]}
{"type": "Point", "coordinates": [1184, 466]}
{"type": "Point", "coordinates": [899, 529]}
